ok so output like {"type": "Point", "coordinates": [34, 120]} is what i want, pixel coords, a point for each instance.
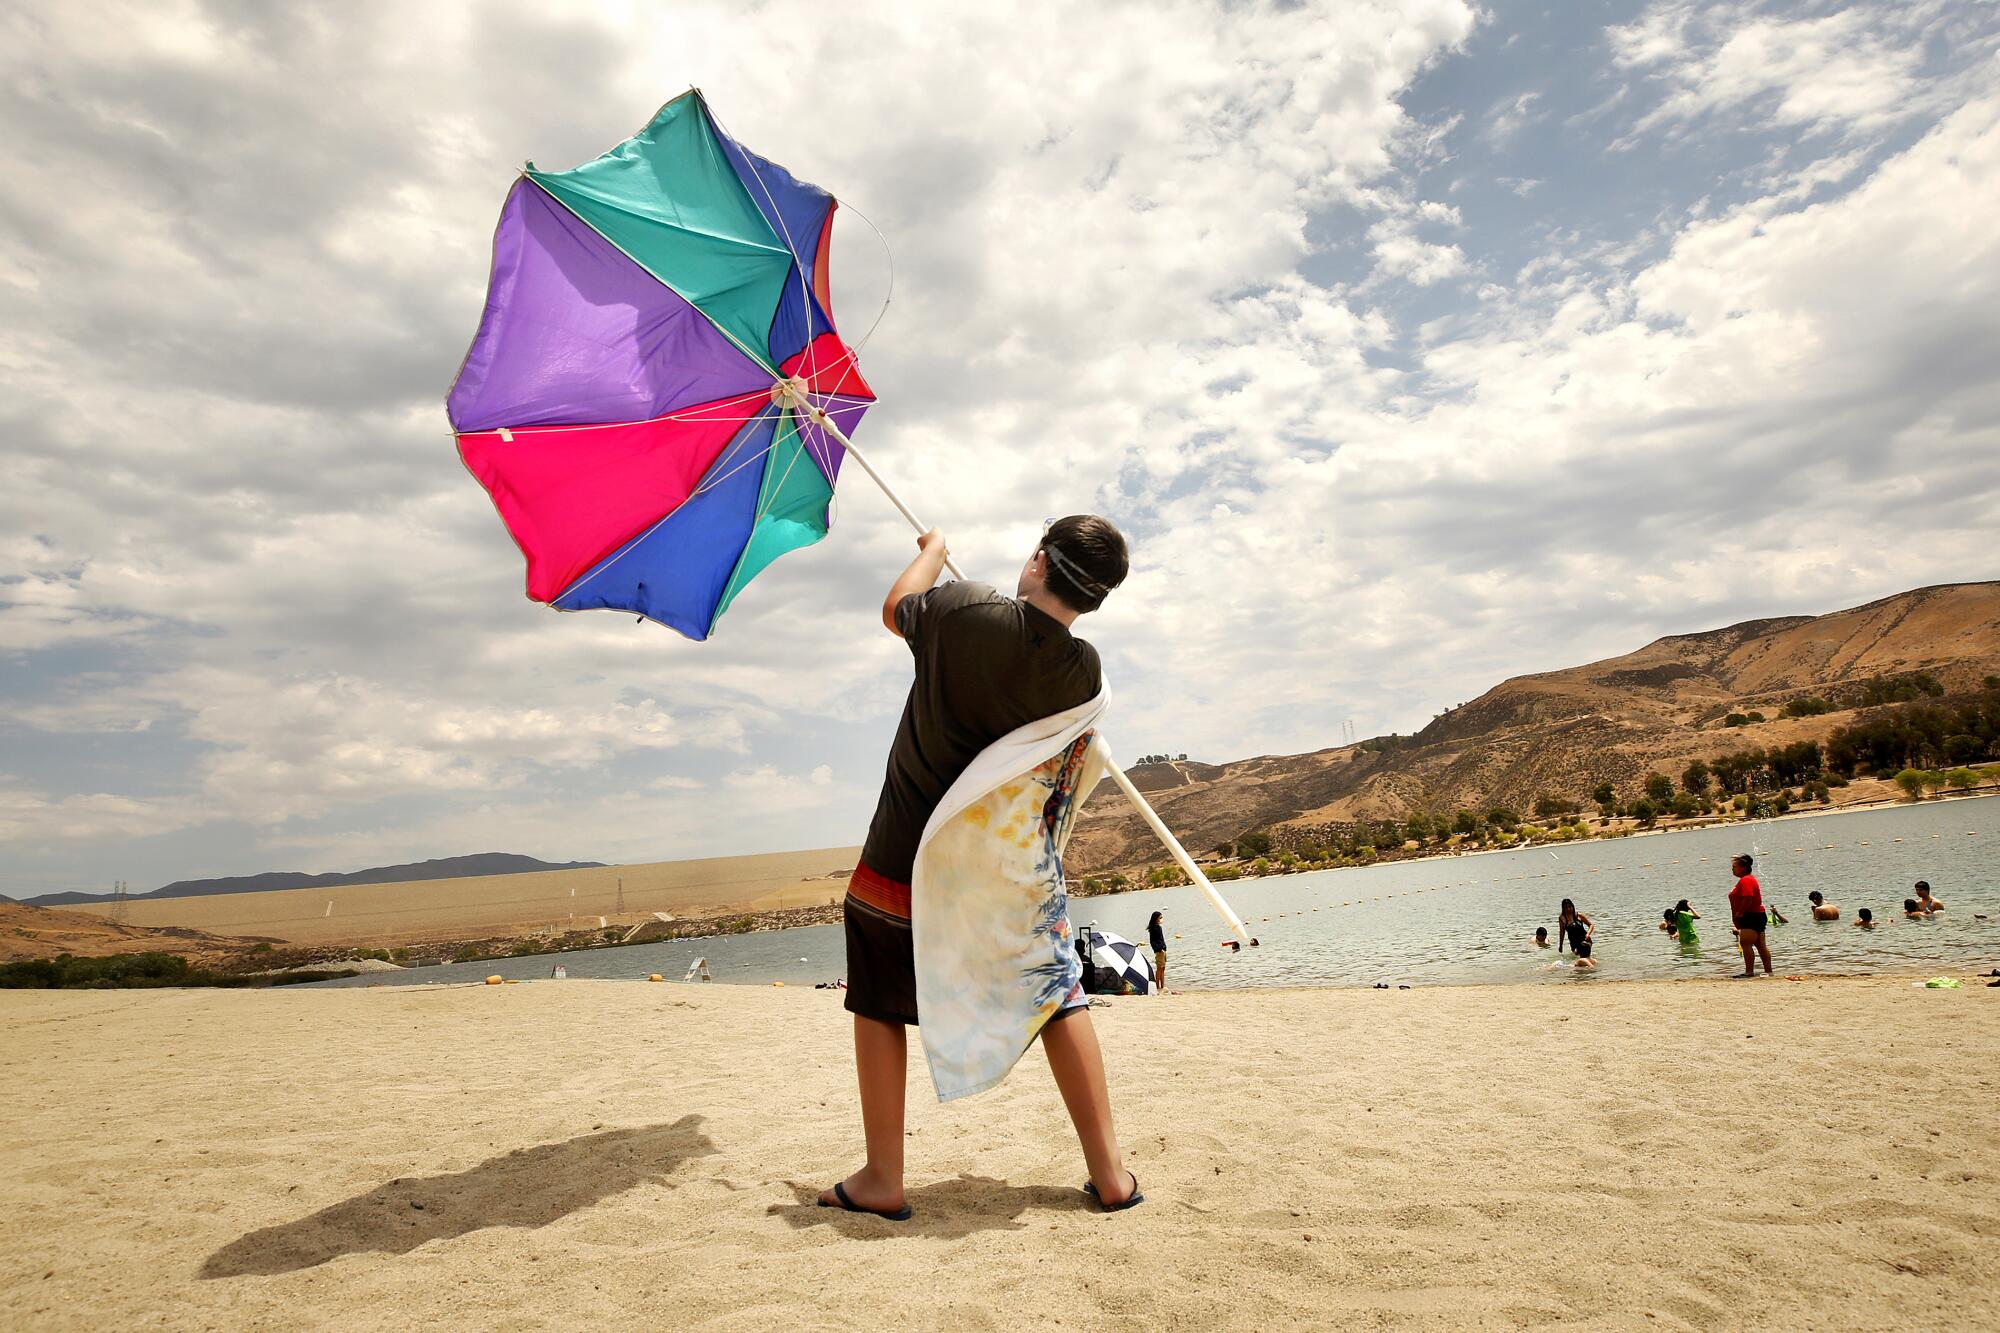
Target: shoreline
{"type": "Point", "coordinates": [1967, 980]}
{"type": "Point", "coordinates": [1689, 826]}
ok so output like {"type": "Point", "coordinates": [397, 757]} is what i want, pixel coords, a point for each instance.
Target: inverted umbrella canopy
{"type": "Point", "coordinates": [623, 401]}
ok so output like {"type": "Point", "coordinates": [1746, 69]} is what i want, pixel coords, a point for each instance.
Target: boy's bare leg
{"type": "Point", "coordinates": [1078, 1066]}
{"type": "Point", "coordinates": [881, 1060]}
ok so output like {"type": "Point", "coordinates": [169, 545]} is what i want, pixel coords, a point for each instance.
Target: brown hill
{"type": "Point", "coordinates": [1563, 732]}
{"type": "Point", "coordinates": [44, 932]}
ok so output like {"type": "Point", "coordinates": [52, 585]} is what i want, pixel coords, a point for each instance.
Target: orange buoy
{"type": "Point", "coordinates": [656, 977]}
{"type": "Point", "coordinates": [495, 979]}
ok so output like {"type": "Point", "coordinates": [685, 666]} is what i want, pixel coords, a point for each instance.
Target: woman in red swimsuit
{"type": "Point", "coordinates": [1746, 909]}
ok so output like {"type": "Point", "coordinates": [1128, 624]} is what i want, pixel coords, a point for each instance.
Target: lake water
{"type": "Point", "coordinates": [1468, 919]}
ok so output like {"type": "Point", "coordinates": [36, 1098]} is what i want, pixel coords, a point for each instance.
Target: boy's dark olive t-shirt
{"type": "Point", "coordinates": [986, 664]}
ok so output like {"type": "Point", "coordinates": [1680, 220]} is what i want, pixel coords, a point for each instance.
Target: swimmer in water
{"type": "Point", "coordinates": [1912, 911]}
{"type": "Point", "coordinates": [1865, 919]}
{"type": "Point", "coordinates": [1924, 899]}
{"type": "Point", "coordinates": [1823, 910]}
{"type": "Point", "coordinates": [1541, 937]}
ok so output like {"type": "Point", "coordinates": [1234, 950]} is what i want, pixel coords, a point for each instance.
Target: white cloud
{"type": "Point", "coordinates": [29, 819]}
{"type": "Point", "coordinates": [1402, 254]}
{"type": "Point", "coordinates": [1850, 70]}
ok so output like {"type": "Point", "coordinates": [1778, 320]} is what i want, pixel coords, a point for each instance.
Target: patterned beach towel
{"type": "Point", "coordinates": [988, 908]}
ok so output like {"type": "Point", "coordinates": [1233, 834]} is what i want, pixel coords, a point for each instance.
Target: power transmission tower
{"type": "Point", "coordinates": [120, 903]}
{"type": "Point", "coordinates": [620, 909]}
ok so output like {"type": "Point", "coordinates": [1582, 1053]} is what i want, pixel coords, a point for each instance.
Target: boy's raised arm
{"type": "Point", "coordinates": [921, 575]}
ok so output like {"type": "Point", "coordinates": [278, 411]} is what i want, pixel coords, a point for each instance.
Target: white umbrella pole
{"type": "Point", "coordinates": [1153, 821]}
{"type": "Point", "coordinates": [1173, 845]}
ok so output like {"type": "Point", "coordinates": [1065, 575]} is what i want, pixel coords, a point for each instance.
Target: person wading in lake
{"type": "Point", "coordinates": [986, 664]}
{"type": "Point", "coordinates": [1746, 910]}
{"type": "Point", "coordinates": [1577, 928]}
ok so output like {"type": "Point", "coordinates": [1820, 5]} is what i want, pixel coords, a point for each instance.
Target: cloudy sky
{"type": "Point", "coordinates": [1416, 345]}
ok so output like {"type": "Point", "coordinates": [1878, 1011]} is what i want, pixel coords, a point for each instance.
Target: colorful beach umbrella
{"type": "Point", "coordinates": [648, 395]}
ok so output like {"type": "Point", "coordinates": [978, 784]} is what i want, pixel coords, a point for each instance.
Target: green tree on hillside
{"type": "Point", "coordinates": [1659, 787]}
{"type": "Point", "coordinates": [1911, 780]}
{"type": "Point", "coordinates": [1797, 762]}
{"type": "Point", "coordinates": [1603, 793]}
{"type": "Point", "coordinates": [1694, 779]}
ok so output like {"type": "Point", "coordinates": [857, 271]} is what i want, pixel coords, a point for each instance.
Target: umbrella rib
{"type": "Point", "coordinates": [889, 256]}
{"type": "Point", "coordinates": [761, 363]}
{"type": "Point", "coordinates": [764, 510]}
{"type": "Point", "coordinates": [791, 246]}
{"type": "Point", "coordinates": [707, 483]}
{"type": "Point", "coordinates": [681, 227]}
{"type": "Point", "coordinates": [684, 414]}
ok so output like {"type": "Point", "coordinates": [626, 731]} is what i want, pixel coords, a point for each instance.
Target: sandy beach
{"type": "Point", "coordinates": [601, 1154]}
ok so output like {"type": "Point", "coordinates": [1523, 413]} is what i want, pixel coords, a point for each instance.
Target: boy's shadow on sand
{"type": "Point", "coordinates": [947, 1210]}
{"type": "Point", "coordinates": [529, 1187]}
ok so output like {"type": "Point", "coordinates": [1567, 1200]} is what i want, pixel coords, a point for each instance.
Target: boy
{"type": "Point", "coordinates": [1823, 910]}
{"type": "Point", "coordinates": [986, 664]}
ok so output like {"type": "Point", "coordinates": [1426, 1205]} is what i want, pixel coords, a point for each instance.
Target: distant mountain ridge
{"type": "Point", "coordinates": [1562, 732]}
{"type": "Point", "coordinates": [449, 867]}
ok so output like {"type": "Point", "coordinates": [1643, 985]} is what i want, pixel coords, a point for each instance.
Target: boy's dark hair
{"type": "Point", "coordinates": [1867, 914]}
{"type": "Point", "coordinates": [1909, 904]}
{"type": "Point", "coordinates": [1743, 859]}
{"type": "Point", "coordinates": [1541, 930]}
{"type": "Point", "coordinates": [1924, 884]}
{"type": "Point", "coordinates": [1086, 560]}
{"type": "Point", "coordinates": [1813, 897]}
{"type": "Point", "coordinates": [1668, 914]}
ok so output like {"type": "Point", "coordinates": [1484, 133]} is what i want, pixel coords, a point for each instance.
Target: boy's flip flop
{"type": "Point", "coordinates": [848, 1205]}
{"type": "Point", "coordinates": [1133, 1200]}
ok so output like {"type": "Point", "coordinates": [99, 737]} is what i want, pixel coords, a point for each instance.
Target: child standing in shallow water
{"type": "Point", "coordinates": [1746, 910]}
{"type": "Point", "coordinates": [1684, 919]}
